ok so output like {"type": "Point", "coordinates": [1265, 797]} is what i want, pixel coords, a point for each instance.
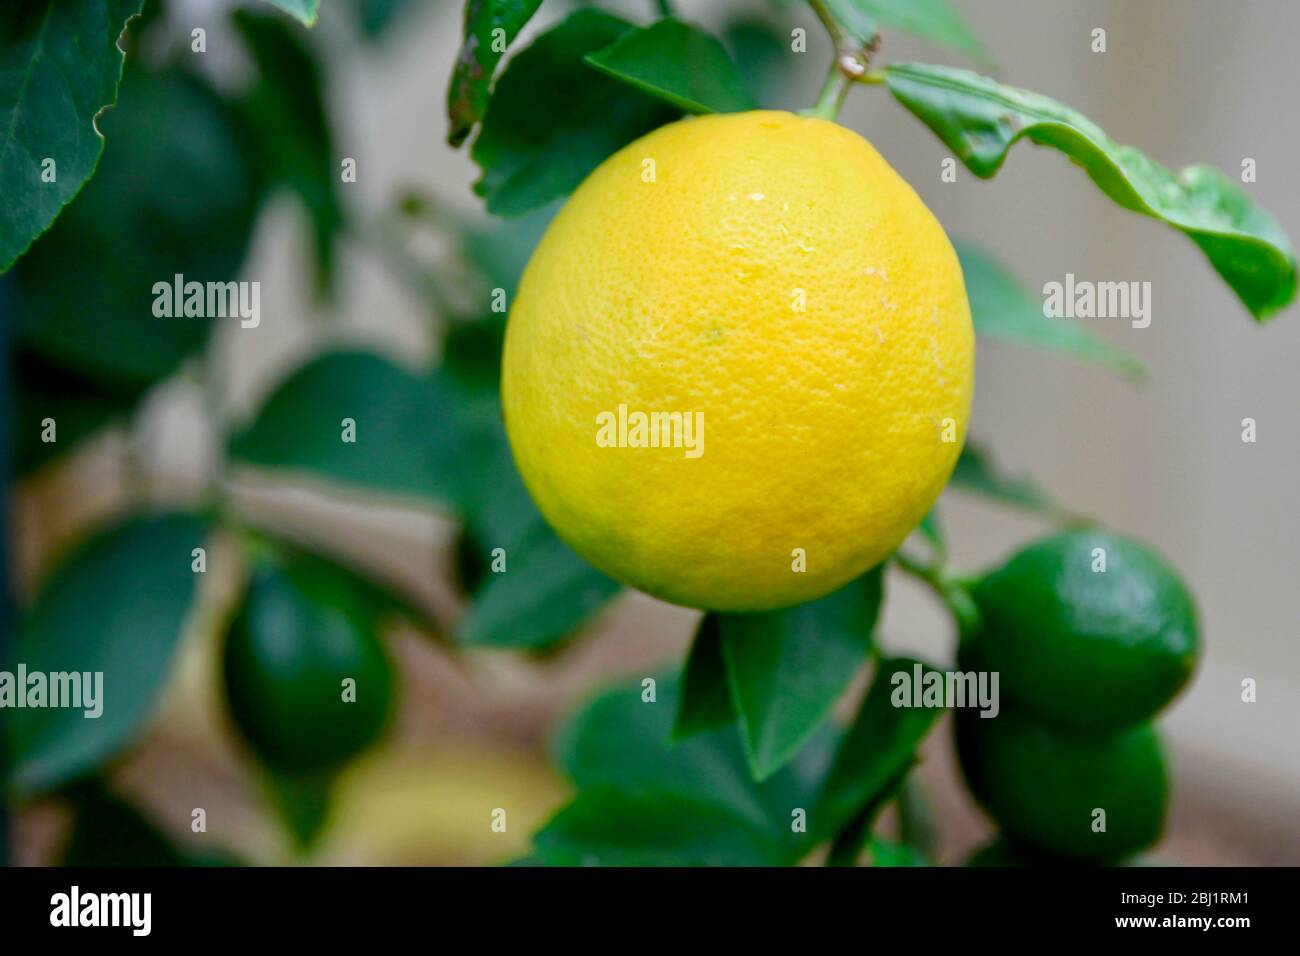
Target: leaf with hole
{"type": "Point", "coordinates": [490, 27]}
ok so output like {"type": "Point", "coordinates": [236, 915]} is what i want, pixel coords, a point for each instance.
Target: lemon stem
{"type": "Point", "coordinates": [950, 589]}
{"type": "Point", "coordinates": [832, 95]}
{"type": "Point", "coordinates": [848, 66]}
{"type": "Point", "coordinates": [915, 816]}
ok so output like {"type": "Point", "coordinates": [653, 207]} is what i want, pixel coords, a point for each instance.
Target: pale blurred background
{"type": "Point", "coordinates": [1186, 80]}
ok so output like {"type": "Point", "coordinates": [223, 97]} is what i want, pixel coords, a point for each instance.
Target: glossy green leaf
{"type": "Point", "coordinates": [490, 27]}
{"type": "Point", "coordinates": [175, 194]}
{"type": "Point", "coordinates": [407, 435]}
{"type": "Point", "coordinates": [619, 744]}
{"type": "Point", "coordinates": [876, 751]}
{"type": "Point", "coordinates": [787, 668]}
{"type": "Point", "coordinates": [545, 593]}
{"type": "Point", "coordinates": [304, 11]}
{"type": "Point", "coordinates": [59, 68]}
{"type": "Point", "coordinates": [117, 605]}
{"type": "Point", "coordinates": [1001, 309]}
{"type": "Point", "coordinates": [980, 119]}
{"type": "Point", "coordinates": [976, 472]}
{"type": "Point", "coordinates": [679, 63]}
{"type": "Point", "coordinates": [285, 115]}
{"type": "Point", "coordinates": [553, 119]}
{"type": "Point", "coordinates": [705, 700]}
{"type": "Point", "coordinates": [936, 20]}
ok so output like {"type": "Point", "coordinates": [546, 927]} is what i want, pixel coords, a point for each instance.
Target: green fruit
{"type": "Point", "coordinates": [1084, 649]}
{"type": "Point", "coordinates": [300, 633]}
{"type": "Point", "coordinates": [1045, 787]}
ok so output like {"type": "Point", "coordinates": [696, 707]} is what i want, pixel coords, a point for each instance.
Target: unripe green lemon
{"type": "Point", "coordinates": [290, 648]}
{"type": "Point", "coordinates": [770, 281]}
{"type": "Point", "coordinates": [1050, 789]}
{"type": "Point", "coordinates": [1085, 649]}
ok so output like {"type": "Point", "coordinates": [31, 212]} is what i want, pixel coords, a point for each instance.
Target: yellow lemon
{"type": "Point", "coordinates": [739, 365]}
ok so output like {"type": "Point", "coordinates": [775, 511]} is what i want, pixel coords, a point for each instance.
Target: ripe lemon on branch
{"type": "Point", "coordinates": [739, 366]}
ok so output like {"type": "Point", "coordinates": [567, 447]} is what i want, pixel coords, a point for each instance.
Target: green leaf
{"type": "Point", "coordinates": [976, 472]}
{"type": "Point", "coordinates": [887, 853]}
{"type": "Point", "coordinates": [500, 252]}
{"type": "Point", "coordinates": [471, 77]}
{"type": "Point", "coordinates": [787, 668]}
{"type": "Point", "coordinates": [546, 593]}
{"type": "Point", "coordinates": [931, 529]}
{"type": "Point", "coordinates": [439, 439]}
{"type": "Point", "coordinates": [980, 119]}
{"type": "Point", "coordinates": [705, 699]}
{"type": "Point", "coordinates": [553, 119]}
{"type": "Point", "coordinates": [407, 437]}
{"type": "Point", "coordinates": [876, 751]}
{"type": "Point", "coordinates": [617, 753]}
{"type": "Point", "coordinates": [376, 598]}
{"type": "Point", "coordinates": [375, 18]}
{"type": "Point", "coordinates": [108, 831]}
{"type": "Point", "coordinates": [854, 18]}
{"type": "Point", "coordinates": [304, 11]}
{"type": "Point", "coordinates": [936, 20]}
{"type": "Point", "coordinates": [679, 63]}
{"type": "Point", "coordinates": [606, 826]}
{"type": "Point", "coordinates": [116, 606]}
{"type": "Point", "coordinates": [763, 58]}
{"type": "Point", "coordinates": [1001, 309]}
{"type": "Point", "coordinates": [175, 194]}
{"type": "Point", "coordinates": [79, 409]}
{"type": "Point", "coordinates": [290, 129]}
{"type": "Point", "coordinates": [59, 68]}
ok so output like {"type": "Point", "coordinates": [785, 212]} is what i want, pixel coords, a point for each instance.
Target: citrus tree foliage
{"type": "Point", "coordinates": [137, 167]}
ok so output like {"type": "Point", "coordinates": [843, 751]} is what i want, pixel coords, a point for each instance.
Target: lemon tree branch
{"type": "Point", "coordinates": [852, 53]}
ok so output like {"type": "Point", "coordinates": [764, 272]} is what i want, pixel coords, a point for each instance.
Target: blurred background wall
{"type": "Point", "coordinates": [1187, 80]}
